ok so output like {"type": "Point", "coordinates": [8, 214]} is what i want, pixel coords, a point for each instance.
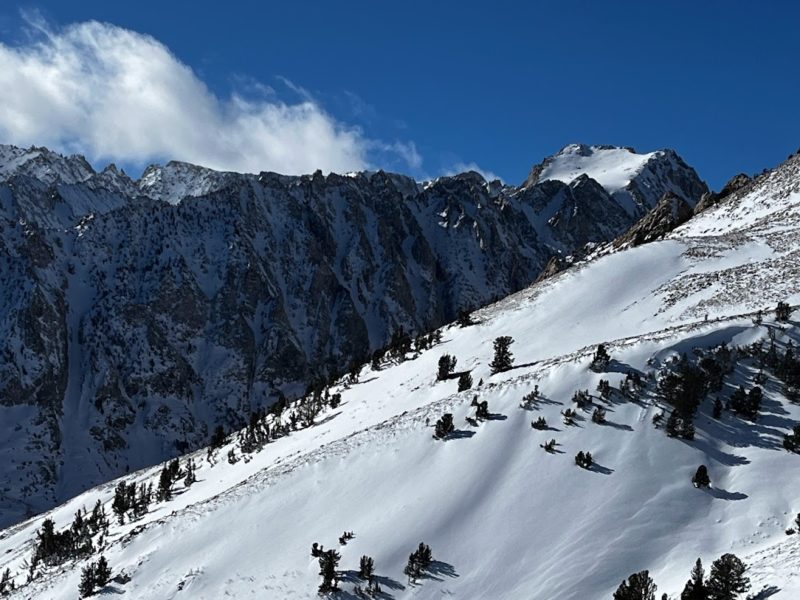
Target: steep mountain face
{"type": "Point", "coordinates": [135, 316]}
{"type": "Point", "coordinates": [697, 305]}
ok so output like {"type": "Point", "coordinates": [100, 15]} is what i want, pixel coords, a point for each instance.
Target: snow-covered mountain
{"type": "Point", "coordinates": [635, 181]}
{"type": "Point", "coordinates": [505, 518]}
{"type": "Point", "coordinates": [136, 316]}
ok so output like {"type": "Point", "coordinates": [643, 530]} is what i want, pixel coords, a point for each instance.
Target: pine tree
{"type": "Point", "coordinates": [6, 583]}
{"type": "Point", "coordinates": [687, 429]}
{"type": "Point", "coordinates": [444, 426]}
{"type": "Point", "coordinates": [726, 580]}
{"type": "Point", "coordinates": [447, 365]}
{"type": "Point", "coordinates": [87, 584]}
{"type": "Point", "coordinates": [783, 312]}
{"type": "Point", "coordinates": [701, 478]}
{"type": "Point", "coordinates": [164, 492]}
{"type": "Point", "coordinates": [717, 408]}
{"type": "Point", "coordinates": [482, 411]}
{"type": "Point", "coordinates": [464, 319]}
{"type": "Point", "coordinates": [464, 382]}
{"type": "Point", "coordinates": [102, 572]}
{"type": "Point", "coordinates": [674, 423]}
{"type": "Point", "coordinates": [190, 476]}
{"type": "Point", "coordinates": [638, 587]}
{"type": "Point", "coordinates": [413, 569]}
{"type": "Point", "coordinates": [328, 562]}
{"type": "Point", "coordinates": [695, 588]}
{"type": "Point", "coordinates": [366, 567]}
{"type": "Point", "coordinates": [121, 503]}
{"type": "Point", "coordinates": [599, 415]}
{"type": "Point", "coordinates": [218, 438]}
{"type": "Point", "coordinates": [503, 359]}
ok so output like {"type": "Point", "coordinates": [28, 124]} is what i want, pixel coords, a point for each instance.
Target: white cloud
{"type": "Point", "coordinates": [462, 167]}
{"type": "Point", "coordinates": [115, 94]}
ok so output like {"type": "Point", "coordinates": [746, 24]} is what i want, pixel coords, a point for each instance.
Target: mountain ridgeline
{"type": "Point", "coordinates": [136, 316]}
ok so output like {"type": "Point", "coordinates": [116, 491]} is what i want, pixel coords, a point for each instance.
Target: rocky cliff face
{"type": "Point", "coordinates": [135, 316]}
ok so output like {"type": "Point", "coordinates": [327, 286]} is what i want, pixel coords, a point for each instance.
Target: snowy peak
{"type": "Point", "coordinates": [612, 167]}
{"type": "Point", "coordinates": [636, 181]}
{"type": "Point", "coordinates": [44, 165]}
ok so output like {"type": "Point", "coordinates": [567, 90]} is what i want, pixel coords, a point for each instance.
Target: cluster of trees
{"type": "Point", "coordinates": [328, 563]}
{"type": "Point", "coordinates": [540, 424]}
{"type": "Point", "coordinates": [529, 400]}
{"type": "Point", "coordinates": [171, 473]}
{"type": "Point", "coordinates": [418, 562]}
{"type": "Point", "coordinates": [444, 427]}
{"type": "Point", "coordinates": [725, 581]}
{"type": "Point", "coordinates": [683, 387]}
{"type": "Point", "coordinates": [582, 398]}
{"type": "Point", "coordinates": [746, 403]}
{"type": "Point", "coordinates": [600, 360]}
{"type": "Point", "coordinates": [584, 459]}
{"type": "Point", "coordinates": [791, 441]}
{"type": "Point", "coordinates": [785, 366]}
{"type": "Point", "coordinates": [129, 498]}
{"type": "Point", "coordinates": [366, 572]}
{"type": "Point", "coordinates": [400, 345]}
{"type": "Point", "coordinates": [93, 576]}
{"type": "Point", "coordinates": [53, 547]}
{"type": "Point", "coordinates": [599, 415]}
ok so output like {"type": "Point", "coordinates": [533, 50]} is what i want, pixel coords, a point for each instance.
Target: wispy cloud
{"type": "Point", "coordinates": [114, 94]}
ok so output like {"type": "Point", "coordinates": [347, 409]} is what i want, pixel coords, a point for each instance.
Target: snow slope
{"type": "Point", "coordinates": [504, 518]}
{"type": "Point", "coordinates": [135, 317]}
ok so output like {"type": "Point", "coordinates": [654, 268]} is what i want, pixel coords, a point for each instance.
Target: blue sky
{"type": "Point", "coordinates": [429, 87]}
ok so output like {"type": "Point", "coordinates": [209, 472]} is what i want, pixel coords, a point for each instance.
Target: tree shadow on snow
{"type": "Point", "coordinates": [328, 419]}
{"type": "Point", "coordinates": [725, 494]}
{"type": "Point", "coordinates": [388, 582]}
{"type": "Point", "coordinates": [615, 366]}
{"type": "Point", "coordinates": [438, 569]}
{"type": "Point", "coordinates": [110, 590]}
{"type": "Point", "coordinates": [723, 458]}
{"type": "Point", "coordinates": [597, 468]}
{"type": "Point", "coordinates": [496, 417]}
{"type": "Point", "coordinates": [620, 426]}
{"type": "Point", "coordinates": [768, 591]}
{"type": "Point", "coordinates": [460, 434]}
